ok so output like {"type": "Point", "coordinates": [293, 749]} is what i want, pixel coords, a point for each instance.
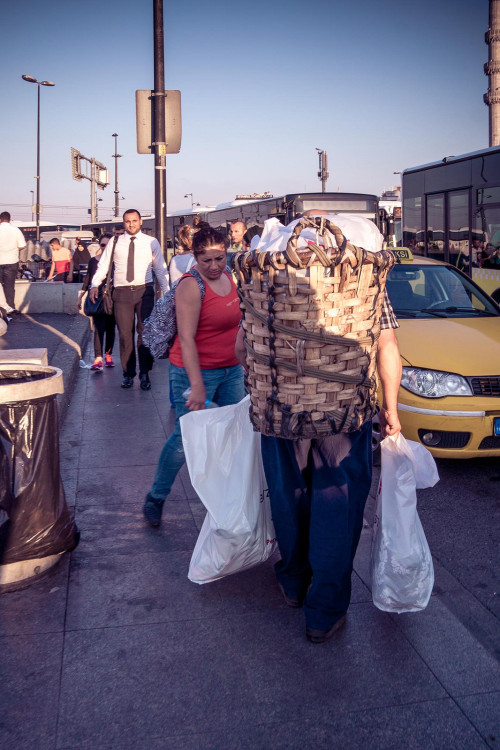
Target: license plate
{"type": "Point", "coordinates": [496, 426]}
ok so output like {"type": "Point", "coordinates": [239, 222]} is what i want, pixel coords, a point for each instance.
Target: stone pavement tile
{"type": "Point", "coordinates": [256, 590]}
{"type": "Point", "coordinates": [123, 423]}
{"type": "Point", "coordinates": [366, 665]}
{"type": "Point", "coordinates": [453, 654]}
{"type": "Point", "coordinates": [38, 608]}
{"type": "Point", "coordinates": [120, 685]}
{"type": "Point", "coordinates": [483, 711]}
{"type": "Point", "coordinates": [124, 451]}
{"type": "Point", "coordinates": [30, 666]}
{"type": "Point", "coordinates": [114, 485]}
{"type": "Point", "coordinates": [130, 590]}
{"type": "Point", "coordinates": [69, 484]}
{"type": "Point", "coordinates": [199, 512]}
{"type": "Point", "coordinates": [431, 725]}
{"type": "Point", "coordinates": [122, 530]}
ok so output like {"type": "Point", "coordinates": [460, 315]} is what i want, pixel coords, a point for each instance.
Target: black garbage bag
{"type": "Point", "coordinates": [35, 520]}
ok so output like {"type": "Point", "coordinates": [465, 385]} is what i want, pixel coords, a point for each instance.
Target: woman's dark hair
{"type": "Point", "coordinates": [206, 237]}
{"type": "Point", "coordinates": [106, 235]}
{"type": "Point", "coordinates": [185, 236]}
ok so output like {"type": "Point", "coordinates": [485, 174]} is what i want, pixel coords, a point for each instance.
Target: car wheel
{"type": "Point", "coordinates": [376, 437]}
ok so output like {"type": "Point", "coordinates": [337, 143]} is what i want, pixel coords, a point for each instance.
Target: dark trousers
{"type": "Point", "coordinates": [318, 490]}
{"type": "Point", "coordinates": [8, 273]}
{"type": "Point", "coordinates": [104, 325]}
{"type": "Point", "coordinates": [132, 305]}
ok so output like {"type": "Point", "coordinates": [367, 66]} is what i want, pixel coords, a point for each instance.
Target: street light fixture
{"type": "Point", "coordinates": [32, 79]}
{"type": "Point", "coordinates": [193, 203]}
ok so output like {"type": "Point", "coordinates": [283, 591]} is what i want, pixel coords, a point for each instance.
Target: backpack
{"type": "Point", "coordinates": [160, 329]}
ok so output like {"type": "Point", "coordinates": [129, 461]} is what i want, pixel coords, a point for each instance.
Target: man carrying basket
{"type": "Point", "coordinates": [316, 323]}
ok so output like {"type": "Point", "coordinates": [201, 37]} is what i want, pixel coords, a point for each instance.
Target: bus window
{"type": "Point", "coordinates": [458, 229]}
{"type": "Point", "coordinates": [435, 226]}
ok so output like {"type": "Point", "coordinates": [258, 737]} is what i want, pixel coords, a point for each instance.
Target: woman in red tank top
{"type": "Point", "coordinates": [202, 356]}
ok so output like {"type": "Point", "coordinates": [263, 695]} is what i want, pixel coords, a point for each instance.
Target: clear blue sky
{"type": "Point", "coordinates": [381, 85]}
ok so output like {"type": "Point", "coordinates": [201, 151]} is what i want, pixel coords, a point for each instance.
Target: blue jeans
{"type": "Point", "coordinates": [224, 386]}
{"type": "Point", "coordinates": [318, 490]}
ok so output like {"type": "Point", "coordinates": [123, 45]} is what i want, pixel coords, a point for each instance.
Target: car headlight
{"type": "Point", "coordinates": [434, 383]}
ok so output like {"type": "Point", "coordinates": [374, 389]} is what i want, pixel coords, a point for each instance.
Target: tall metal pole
{"type": "Point", "coordinates": [93, 216]}
{"type": "Point", "coordinates": [32, 79]}
{"type": "Point", "coordinates": [159, 127]}
{"type": "Point", "coordinates": [116, 156]}
{"type": "Point", "coordinates": [38, 168]}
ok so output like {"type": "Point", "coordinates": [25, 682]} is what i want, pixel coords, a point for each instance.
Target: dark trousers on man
{"type": "Point", "coordinates": [8, 273]}
{"type": "Point", "coordinates": [132, 305]}
{"type": "Point", "coordinates": [318, 490]}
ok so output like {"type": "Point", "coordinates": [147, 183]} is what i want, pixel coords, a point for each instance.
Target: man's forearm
{"type": "Point", "coordinates": [389, 368]}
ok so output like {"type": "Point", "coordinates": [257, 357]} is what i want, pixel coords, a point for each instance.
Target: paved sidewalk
{"type": "Point", "coordinates": [118, 649]}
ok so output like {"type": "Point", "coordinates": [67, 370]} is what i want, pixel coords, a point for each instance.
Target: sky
{"type": "Point", "coordinates": [380, 85]}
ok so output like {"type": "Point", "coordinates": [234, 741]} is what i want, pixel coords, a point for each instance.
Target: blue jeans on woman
{"type": "Point", "coordinates": [224, 386]}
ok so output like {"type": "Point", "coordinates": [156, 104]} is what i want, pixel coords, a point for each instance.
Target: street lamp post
{"type": "Point", "coordinates": [32, 202]}
{"type": "Point", "coordinates": [193, 203]}
{"type": "Point", "coordinates": [31, 79]}
{"type": "Point", "coordinates": [116, 156]}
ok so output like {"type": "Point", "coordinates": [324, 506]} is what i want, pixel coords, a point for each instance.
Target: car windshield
{"type": "Point", "coordinates": [428, 291]}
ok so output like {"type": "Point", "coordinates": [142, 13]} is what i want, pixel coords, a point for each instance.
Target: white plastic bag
{"type": "Point", "coordinates": [401, 563]}
{"type": "Point", "coordinates": [225, 467]}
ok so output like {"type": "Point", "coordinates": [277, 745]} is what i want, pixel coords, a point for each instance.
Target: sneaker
{"type": "Point", "coordinates": [97, 364]}
{"type": "Point", "coordinates": [109, 361]}
{"type": "Point", "coordinates": [152, 510]}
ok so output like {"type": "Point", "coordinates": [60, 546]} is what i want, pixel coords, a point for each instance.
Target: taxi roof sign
{"type": "Point", "coordinates": [402, 254]}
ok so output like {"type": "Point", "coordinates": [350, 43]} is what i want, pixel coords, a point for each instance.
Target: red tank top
{"type": "Point", "coordinates": [217, 329]}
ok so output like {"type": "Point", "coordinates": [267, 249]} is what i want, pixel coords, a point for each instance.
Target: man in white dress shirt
{"type": "Point", "coordinates": [135, 257]}
{"type": "Point", "coordinates": [11, 241]}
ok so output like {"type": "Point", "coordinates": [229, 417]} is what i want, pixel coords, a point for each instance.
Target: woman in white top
{"type": "Point", "coordinates": [183, 258]}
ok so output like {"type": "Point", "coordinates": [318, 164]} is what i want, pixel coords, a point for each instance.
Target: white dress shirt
{"type": "Point", "coordinates": [147, 256]}
{"type": "Point", "coordinates": [11, 241]}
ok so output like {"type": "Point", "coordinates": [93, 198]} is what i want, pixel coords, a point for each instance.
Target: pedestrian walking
{"type": "Point", "coordinates": [202, 357]}
{"type": "Point", "coordinates": [104, 324]}
{"type": "Point", "coordinates": [318, 488]}
{"type": "Point", "coordinates": [11, 242]}
{"type": "Point", "coordinates": [135, 256]}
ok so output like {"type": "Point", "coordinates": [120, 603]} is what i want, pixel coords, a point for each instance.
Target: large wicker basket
{"type": "Point", "coordinates": [312, 320]}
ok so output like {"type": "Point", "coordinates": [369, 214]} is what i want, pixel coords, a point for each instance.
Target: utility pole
{"type": "Point", "coordinates": [116, 156]}
{"type": "Point", "coordinates": [159, 144]}
{"type": "Point", "coordinates": [323, 173]}
{"type": "Point", "coordinates": [99, 176]}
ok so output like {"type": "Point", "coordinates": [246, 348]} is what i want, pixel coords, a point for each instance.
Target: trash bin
{"type": "Point", "coordinates": [36, 526]}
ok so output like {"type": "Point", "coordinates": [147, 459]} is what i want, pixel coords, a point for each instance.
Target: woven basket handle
{"type": "Point", "coordinates": [322, 226]}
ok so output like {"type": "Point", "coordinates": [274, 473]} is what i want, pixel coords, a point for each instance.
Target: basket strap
{"type": "Point", "coordinates": [314, 372]}
{"type": "Point", "coordinates": [323, 337]}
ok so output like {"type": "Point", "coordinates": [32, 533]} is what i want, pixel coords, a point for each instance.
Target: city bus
{"type": "Point", "coordinates": [255, 211]}
{"type": "Point", "coordinates": [451, 212]}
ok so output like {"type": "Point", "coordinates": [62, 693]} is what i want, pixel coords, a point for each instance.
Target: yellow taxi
{"type": "Point", "coordinates": [449, 339]}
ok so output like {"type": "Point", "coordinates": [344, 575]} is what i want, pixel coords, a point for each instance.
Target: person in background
{"type": "Point", "coordinates": [202, 357]}
{"type": "Point", "coordinates": [183, 259]}
{"type": "Point", "coordinates": [93, 247]}
{"type": "Point", "coordinates": [246, 242]}
{"type": "Point", "coordinates": [237, 230]}
{"type": "Point", "coordinates": [61, 268]}
{"type": "Point", "coordinates": [81, 257]}
{"type": "Point", "coordinates": [104, 325]}
{"type": "Point", "coordinates": [11, 242]}
{"type": "Point", "coordinates": [135, 257]}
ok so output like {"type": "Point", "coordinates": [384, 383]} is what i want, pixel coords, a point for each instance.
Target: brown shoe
{"type": "Point", "coordinates": [320, 636]}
